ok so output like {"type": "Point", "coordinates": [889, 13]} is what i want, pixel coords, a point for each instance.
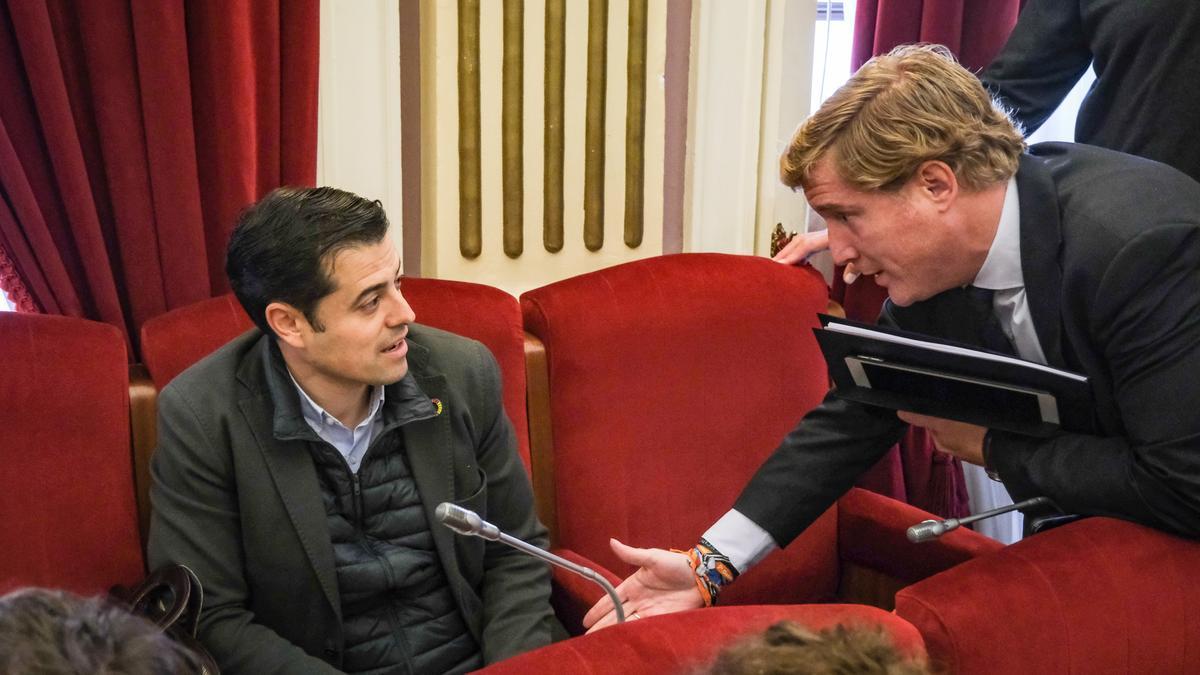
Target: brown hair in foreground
{"type": "Point", "coordinates": [787, 648]}
{"type": "Point", "coordinates": [901, 109]}
{"type": "Point", "coordinates": [52, 632]}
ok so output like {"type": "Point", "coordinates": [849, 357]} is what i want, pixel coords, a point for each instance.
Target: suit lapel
{"type": "Point", "coordinates": [279, 437]}
{"type": "Point", "coordinates": [295, 480]}
{"type": "Point", "coordinates": [428, 443]}
{"type": "Point", "coordinates": [1041, 242]}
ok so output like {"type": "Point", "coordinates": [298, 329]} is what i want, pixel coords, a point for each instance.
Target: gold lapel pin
{"type": "Point", "coordinates": [437, 402]}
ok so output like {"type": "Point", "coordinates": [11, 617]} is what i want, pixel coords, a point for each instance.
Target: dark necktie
{"type": "Point", "coordinates": [991, 335]}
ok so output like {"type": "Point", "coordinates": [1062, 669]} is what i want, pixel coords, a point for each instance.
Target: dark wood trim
{"type": "Point", "coordinates": [143, 427]}
{"type": "Point", "coordinates": [541, 437]}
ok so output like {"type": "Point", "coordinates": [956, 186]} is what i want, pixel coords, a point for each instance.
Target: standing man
{"type": "Point", "coordinates": [299, 466]}
{"type": "Point", "coordinates": [1087, 259]}
{"type": "Point", "coordinates": [1146, 62]}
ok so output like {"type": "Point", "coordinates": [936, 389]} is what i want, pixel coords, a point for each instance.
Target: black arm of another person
{"type": "Point", "coordinates": [1044, 57]}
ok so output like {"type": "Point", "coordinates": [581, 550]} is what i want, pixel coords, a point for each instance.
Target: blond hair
{"type": "Point", "coordinates": [906, 107]}
{"type": "Point", "coordinates": [787, 648]}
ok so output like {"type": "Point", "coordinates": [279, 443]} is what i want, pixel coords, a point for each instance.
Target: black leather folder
{"type": "Point", "coordinates": [894, 369]}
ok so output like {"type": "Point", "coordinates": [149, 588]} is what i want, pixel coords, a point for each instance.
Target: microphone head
{"type": "Point", "coordinates": [465, 521]}
{"type": "Point", "coordinates": [925, 531]}
{"type": "Point", "coordinates": [457, 518]}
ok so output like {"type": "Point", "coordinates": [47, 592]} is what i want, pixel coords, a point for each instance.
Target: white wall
{"type": "Point", "coordinates": [358, 113]}
{"type": "Point", "coordinates": [752, 68]}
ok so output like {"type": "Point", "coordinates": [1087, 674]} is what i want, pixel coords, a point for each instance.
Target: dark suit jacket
{"type": "Point", "coordinates": [242, 507]}
{"type": "Point", "coordinates": [1110, 252]}
{"type": "Point", "coordinates": [1147, 61]}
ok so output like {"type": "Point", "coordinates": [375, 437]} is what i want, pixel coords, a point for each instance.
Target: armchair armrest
{"type": "Point", "coordinates": [872, 532]}
{"type": "Point", "coordinates": [1097, 595]}
{"type": "Point", "coordinates": [143, 409]}
{"type": "Point", "coordinates": [877, 557]}
{"type": "Point", "coordinates": [571, 595]}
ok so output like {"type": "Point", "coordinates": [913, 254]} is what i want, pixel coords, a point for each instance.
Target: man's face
{"type": "Point", "coordinates": [903, 238]}
{"type": "Point", "coordinates": [365, 320]}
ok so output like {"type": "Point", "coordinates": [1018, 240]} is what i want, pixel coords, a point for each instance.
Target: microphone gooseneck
{"type": "Point", "coordinates": [468, 523]}
{"type": "Point", "coordinates": [932, 529]}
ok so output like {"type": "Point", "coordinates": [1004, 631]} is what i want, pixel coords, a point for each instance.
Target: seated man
{"type": "Point", "coordinates": [1078, 257]}
{"type": "Point", "coordinates": [299, 466]}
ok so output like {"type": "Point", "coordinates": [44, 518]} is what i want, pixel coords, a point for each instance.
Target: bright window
{"type": "Point", "coordinates": [1061, 125]}
{"type": "Point", "coordinates": [5, 305]}
{"type": "Point", "coordinates": [831, 48]}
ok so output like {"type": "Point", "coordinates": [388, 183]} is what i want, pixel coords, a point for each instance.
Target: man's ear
{"type": "Point", "coordinates": [288, 323]}
{"type": "Point", "coordinates": [935, 180]}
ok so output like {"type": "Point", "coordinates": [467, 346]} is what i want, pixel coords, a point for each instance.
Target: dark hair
{"type": "Point", "coordinates": [283, 247]}
{"type": "Point", "coordinates": [57, 633]}
{"type": "Point", "coordinates": [788, 648]}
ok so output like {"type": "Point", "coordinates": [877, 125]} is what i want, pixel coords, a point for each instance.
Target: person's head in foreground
{"type": "Point", "coordinates": [904, 162]}
{"type": "Point", "coordinates": [787, 648]}
{"type": "Point", "coordinates": [51, 632]}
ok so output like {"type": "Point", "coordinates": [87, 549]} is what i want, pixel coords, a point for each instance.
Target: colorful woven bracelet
{"type": "Point", "coordinates": [712, 569]}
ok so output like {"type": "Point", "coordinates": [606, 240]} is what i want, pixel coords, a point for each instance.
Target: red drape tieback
{"type": "Point", "coordinates": [13, 287]}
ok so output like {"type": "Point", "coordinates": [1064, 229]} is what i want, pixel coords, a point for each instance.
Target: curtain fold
{"type": "Point", "coordinates": [134, 131]}
{"type": "Point", "coordinates": [914, 470]}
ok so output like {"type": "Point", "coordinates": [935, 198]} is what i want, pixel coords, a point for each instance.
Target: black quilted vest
{"type": "Point", "coordinates": [397, 609]}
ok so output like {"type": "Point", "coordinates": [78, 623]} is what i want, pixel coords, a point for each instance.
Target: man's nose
{"type": "Point", "coordinates": [841, 250]}
{"type": "Point", "coordinates": [401, 313]}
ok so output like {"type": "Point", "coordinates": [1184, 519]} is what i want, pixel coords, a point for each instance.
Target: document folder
{"type": "Point", "coordinates": [894, 369]}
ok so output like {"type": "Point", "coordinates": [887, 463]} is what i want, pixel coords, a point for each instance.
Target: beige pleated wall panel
{"type": "Point", "coordinates": [518, 263]}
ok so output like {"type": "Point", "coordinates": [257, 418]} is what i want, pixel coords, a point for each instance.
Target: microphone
{"type": "Point", "coordinates": [932, 529]}
{"type": "Point", "coordinates": [468, 523]}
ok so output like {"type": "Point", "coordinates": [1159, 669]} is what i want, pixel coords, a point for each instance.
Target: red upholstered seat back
{"type": "Point", "coordinates": [670, 380]}
{"type": "Point", "coordinates": [1096, 596]}
{"type": "Point", "coordinates": [66, 479]}
{"type": "Point", "coordinates": [486, 314]}
{"type": "Point", "coordinates": [682, 642]}
{"type": "Point", "coordinates": [181, 337]}
{"type": "Point", "coordinates": [172, 342]}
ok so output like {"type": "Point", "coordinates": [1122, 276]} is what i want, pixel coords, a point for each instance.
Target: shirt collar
{"type": "Point", "coordinates": [1002, 268]}
{"type": "Point", "coordinates": [314, 414]}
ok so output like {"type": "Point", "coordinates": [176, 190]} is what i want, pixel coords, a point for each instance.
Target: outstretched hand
{"type": "Point", "coordinates": [801, 246]}
{"type": "Point", "coordinates": [663, 583]}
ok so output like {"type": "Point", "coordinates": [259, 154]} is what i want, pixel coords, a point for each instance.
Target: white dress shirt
{"type": "Point", "coordinates": [351, 443]}
{"type": "Point", "coordinates": [745, 543]}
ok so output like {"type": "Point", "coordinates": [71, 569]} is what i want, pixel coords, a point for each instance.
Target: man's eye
{"type": "Point", "coordinates": [371, 304]}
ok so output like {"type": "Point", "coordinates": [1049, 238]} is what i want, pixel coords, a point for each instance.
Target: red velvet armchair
{"type": "Point", "coordinates": [1096, 596]}
{"type": "Point", "coordinates": [670, 380]}
{"type": "Point", "coordinates": [677, 643]}
{"type": "Point", "coordinates": [66, 484]}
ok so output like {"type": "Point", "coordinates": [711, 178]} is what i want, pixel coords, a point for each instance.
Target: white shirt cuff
{"type": "Point", "coordinates": [740, 539]}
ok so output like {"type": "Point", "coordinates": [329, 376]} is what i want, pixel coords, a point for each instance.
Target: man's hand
{"type": "Point", "coordinates": [664, 583]}
{"type": "Point", "coordinates": [964, 441]}
{"type": "Point", "coordinates": [801, 246]}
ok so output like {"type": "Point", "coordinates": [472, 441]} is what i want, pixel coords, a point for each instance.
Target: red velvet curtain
{"type": "Point", "coordinates": [131, 134]}
{"type": "Point", "coordinates": [975, 31]}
